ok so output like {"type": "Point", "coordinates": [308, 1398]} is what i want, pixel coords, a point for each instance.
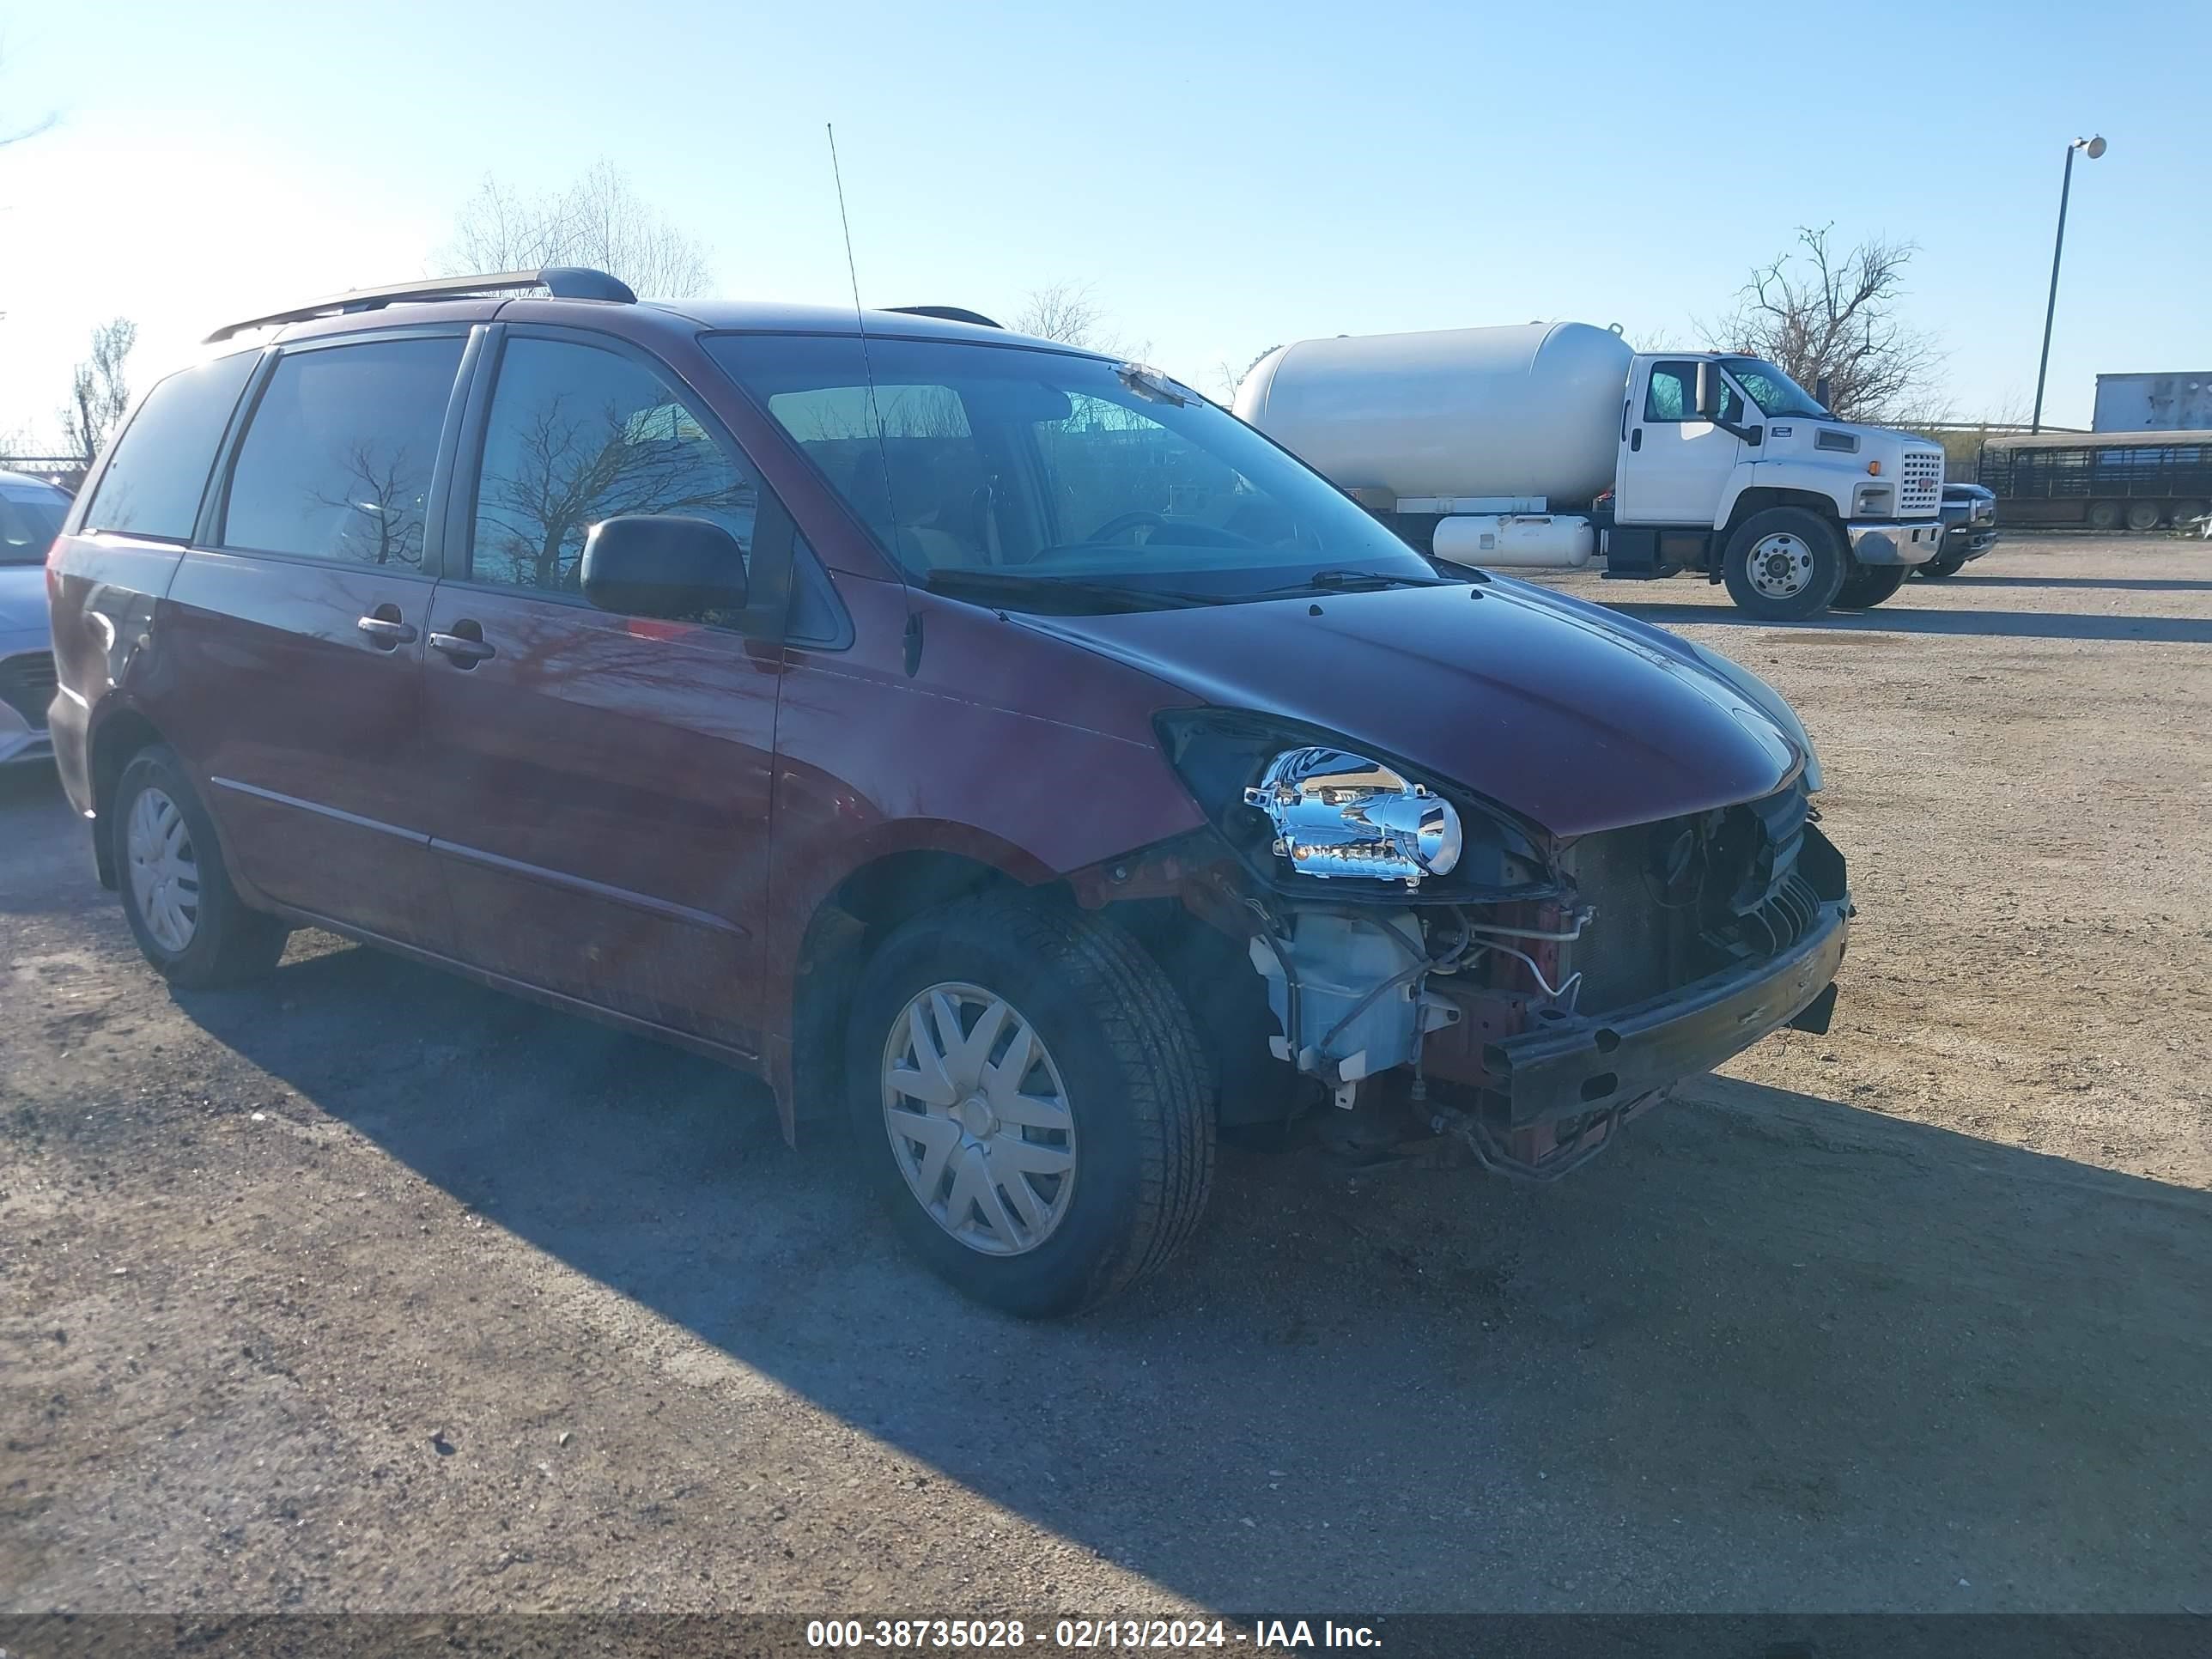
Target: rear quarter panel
{"type": "Point", "coordinates": [104, 594]}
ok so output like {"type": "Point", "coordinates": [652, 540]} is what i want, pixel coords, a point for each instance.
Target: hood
{"type": "Point", "coordinates": [1557, 710]}
{"type": "Point", "coordinates": [22, 600]}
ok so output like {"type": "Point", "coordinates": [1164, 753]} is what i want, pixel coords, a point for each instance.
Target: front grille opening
{"type": "Point", "coordinates": [1682, 898]}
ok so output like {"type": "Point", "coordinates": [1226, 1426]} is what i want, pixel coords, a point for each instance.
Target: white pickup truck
{"type": "Point", "coordinates": [1548, 445]}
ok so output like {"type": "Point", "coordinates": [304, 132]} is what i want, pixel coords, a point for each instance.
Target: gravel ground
{"type": "Point", "coordinates": [367, 1290]}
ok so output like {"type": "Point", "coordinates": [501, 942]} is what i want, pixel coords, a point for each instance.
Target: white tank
{"type": "Point", "coordinates": [1515, 541]}
{"type": "Point", "coordinates": [1519, 412]}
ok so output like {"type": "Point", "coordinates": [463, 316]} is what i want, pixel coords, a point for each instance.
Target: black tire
{"type": "Point", "coordinates": [1136, 1087]}
{"type": "Point", "coordinates": [1936, 569]}
{"type": "Point", "coordinates": [2106, 515]}
{"type": "Point", "coordinates": [1867, 586]}
{"type": "Point", "coordinates": [1819, 541]}
{"type": "Point", "coordinates": [2144, 515]}
{"type": "Point", "coordinates": [229, 941]}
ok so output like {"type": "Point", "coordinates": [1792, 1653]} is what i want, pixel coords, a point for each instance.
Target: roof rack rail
{"type": "Point", "coordinates": [562, 281]}
{"type": "Point", "coordinates": [948, 314]}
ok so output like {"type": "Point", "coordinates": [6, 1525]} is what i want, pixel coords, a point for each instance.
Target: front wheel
{"type": "Point", "coordinates": [187, 918]}
{"type": "Point", "coordinates": [1867, 586]}
{"type": "Point", "coordinates": [1030, 1098]}
{"type": "Point", "coordinates": [1784, 564]}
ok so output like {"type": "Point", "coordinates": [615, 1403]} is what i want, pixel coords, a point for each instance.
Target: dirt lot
{"type": "Point", "coordinates": [368, 1289]}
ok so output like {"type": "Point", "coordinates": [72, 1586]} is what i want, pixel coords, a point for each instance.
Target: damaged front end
{"type": "Point", "coordinates": [1442, 970]}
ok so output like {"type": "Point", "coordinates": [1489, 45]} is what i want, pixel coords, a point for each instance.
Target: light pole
{"type": "Point", "coordinates": [2095, 146]}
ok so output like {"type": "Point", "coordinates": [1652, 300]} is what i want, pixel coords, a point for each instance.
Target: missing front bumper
{"type": "Point", "coordinates": [1577, 1064]}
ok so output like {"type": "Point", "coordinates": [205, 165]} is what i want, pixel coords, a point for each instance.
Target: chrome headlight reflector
{"type": "Point", "coordinates": [1341, 814]}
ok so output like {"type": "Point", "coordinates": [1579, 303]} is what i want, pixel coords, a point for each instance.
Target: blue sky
{"type": "Point", "coordinates": [1225, 177]}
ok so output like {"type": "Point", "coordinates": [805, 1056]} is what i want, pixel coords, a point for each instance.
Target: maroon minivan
{"type": "Point", "coordinates": [996, 746]}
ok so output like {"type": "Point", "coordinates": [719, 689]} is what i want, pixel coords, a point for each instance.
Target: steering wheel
{"type": "Point", "coordinates": [1125, 521]}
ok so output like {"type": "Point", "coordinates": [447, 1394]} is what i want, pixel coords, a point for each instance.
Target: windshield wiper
{"type": "Point", "coordinates": [1348, 581]}
{"type": "Point", "coordinates": [968, 583]}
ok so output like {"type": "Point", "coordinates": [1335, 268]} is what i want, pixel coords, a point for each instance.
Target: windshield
{"type": "Point", "coordinates": [1775, 392]}
{"type": "Point", "coordinates": [29, 521]}
{"type": "Point", "coordinates": [1009, 474]}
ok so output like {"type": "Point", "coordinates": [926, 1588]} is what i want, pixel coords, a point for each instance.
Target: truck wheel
{"type": "Point", "coordinates": [1936, 569]}
{"type": "Point", "coordinates": [1029, 1097]}
{"type": "Point", "coordinates": [1867, 586]}
{"type": "Point", "coordinates": [1784, 564]}
{"type": "Point", "coordinates": [188, 920]}
{"type": "Point", "coordinates": [2184, 512]}
{"type": "Point", "coordinates": [2104, 515]}
{"type": "Point", "coordinates": [2142, 515]}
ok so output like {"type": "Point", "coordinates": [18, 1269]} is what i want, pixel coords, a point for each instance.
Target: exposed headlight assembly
{"type": "Point", "coordinates": [1341, 814]}
{"type": "Point", "coordinates": [1301, 804]}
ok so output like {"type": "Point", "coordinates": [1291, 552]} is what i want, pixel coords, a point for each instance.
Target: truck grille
{"type": "Point", "coordinates": [26, 686]}
{"type": "Point", "coordinates": [1921, 489]}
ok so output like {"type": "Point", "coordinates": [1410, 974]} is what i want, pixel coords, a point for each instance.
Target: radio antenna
{"type": "Point", "coordinates": [875, 414]}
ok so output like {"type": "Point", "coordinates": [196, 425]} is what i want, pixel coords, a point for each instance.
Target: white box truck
{"type": "Point", "coordinates": [1545, 446]}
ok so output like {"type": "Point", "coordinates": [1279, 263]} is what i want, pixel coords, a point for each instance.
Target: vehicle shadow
{"type": "Point", "coordinates": [1906, 619]}
{"type": "Point", "coordinates": [1853, 1355]}
{"type": "Point", "coordinates": [2132, 584]}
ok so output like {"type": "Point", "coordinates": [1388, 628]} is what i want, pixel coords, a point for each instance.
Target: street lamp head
{"type": "Point", "coordinates": [2095, 146]}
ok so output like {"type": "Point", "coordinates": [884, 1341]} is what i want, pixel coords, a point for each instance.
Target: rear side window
{"type": "Point", "coordinates": [338, 458]}
{"type": "Point", "coordinates": [153, 482]}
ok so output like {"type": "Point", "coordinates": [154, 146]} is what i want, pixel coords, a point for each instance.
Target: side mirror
{"type": "Point", "coordinates": [1709, 392]}
{"type": "Point", "coordinates": [1820, 392]}
{"type": "Point", "coordinates": [661, 565]}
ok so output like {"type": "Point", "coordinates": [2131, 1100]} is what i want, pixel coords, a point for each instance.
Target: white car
{"type": "Point", "coordinates": [31, 510]}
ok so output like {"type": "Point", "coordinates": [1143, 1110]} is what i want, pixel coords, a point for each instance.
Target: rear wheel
{"type": "Point", "coordinates": [1029, 1097]}
{"type": "Point", "coordinates": [1867, 586]}
{"type": "Point", "coordinates": [1784, 564]}
{"type": "Point", "coordinates": [2142, 515]}
{"type": "Point", "coordinates": [188, 920]}
{"type": "Point", "coordinates": [2104, 515]}
{"type": "Point", "coordinates": [2184, 514]}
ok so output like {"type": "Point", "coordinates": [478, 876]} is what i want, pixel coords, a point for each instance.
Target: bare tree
{"type": "Point", "coordinates": [390, 496]}
{"type": "Point", "coordinates": [569, 468]}
{"type": "Point", "coordinates": [1818, 311]}
{"type": "Point", "coordinates": [99, 393]}
{"type": "Point", "coordinates": [1065, 312]}
{"type": "Point", "coordinates": [599, 220]}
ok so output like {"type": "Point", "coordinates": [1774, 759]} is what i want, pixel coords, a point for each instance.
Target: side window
{"type": "Point", "coordinates": [153, 482]}
{"type": "Point", "coordinates": [1672, 393]}
{"type": "Point", "coordinates": [337, 461]}
{"type": "Point", "coordinates": [577, 434]}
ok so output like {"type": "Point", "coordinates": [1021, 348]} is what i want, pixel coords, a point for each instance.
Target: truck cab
{"type": "Point", "coordinates": [1713, 444]}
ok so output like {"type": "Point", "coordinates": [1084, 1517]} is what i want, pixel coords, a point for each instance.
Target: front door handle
{"type": "Point", "coordinates": [463, 650]}
{"type": "Point", "coordinates": [385, 629]}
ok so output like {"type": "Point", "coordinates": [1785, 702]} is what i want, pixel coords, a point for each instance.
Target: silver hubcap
{"type": "Point", "coordinates": [165, 877]}
{"type": "Point", "coordinates": [1781, 567]}
{"type": "Point", "coordinates": [978, 1119]}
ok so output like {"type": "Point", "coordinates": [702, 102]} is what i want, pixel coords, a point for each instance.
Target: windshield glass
{"type": "Point", "coordinates": [1005, 473]}
{"type": "Point", "coordinates": [1775, 392]}
{"type": "Point", "coordinates": [29, 521]}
